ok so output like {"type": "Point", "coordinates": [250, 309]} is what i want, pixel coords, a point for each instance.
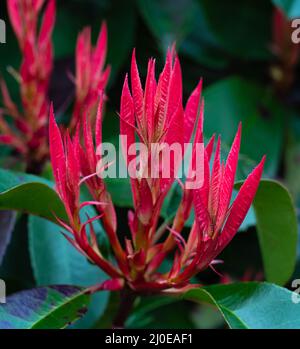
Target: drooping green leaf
{"type": "Point", "coordinates": [276, 223]}
{"type": "Point", "coordinates": [251, 305]}
{"type": "Point", "coordinates": [290, 7]}
{"type": "Point", "coordinates": [30, 194]}
{"type": "Point", "coordinates": [55, 261]}
{"type": "Point", "coordinates": [232, 100]}
{"type": "Point", "coordinates": [51, 307]}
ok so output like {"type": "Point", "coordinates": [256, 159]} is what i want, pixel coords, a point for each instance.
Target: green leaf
{"type": "Point", "coordinates": [290, 7]}
{"type": "Point", "coordinates": [169, 21]}
{"type": "Point", "coordinates": [251, 19]}
{"type": "Point", "coordinates": [232, 100]}
{"type": "Point", "coordinates": [55, 261]}
{"type": "Point", "coordinates": [51, 307]}
{"type": "Point", "coordinates": [211, 42]}
{"type": "Point", "coordinates": [251, 305]}
{"type": "Point", "coordinates": [277, 230]}
{"type": "Point", "coordinates": [30, 194]}
{"type": "Point", "coordinates": [7, 223]}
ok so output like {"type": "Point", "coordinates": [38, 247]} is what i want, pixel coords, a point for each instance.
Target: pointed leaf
{"type": "Point", "coordinates": [31, 194]}
{"type": "Point", "coordinates": [56, 262]}
{"type": "Point", "coordinates": [277, 230]}
{"type": "Point", "coordinates": [51, 307]}
{"type": "Point", "coordinates": [251, 305]}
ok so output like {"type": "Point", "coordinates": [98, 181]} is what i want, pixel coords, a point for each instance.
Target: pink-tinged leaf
{"type": "Point", "coordinates": [199, 154]}
{"type": "Point", "coordinates": [241, 205]}
{"type": "Point", "coordinates": [37, 5]}
{"type": "Point", "coordinates": [210, 147]}
{"type": "Point", "coordinates": [139, 258]}
{"type": "Point", "coordinates": [127, 120]}
{"type": "Point", "coordinates": [83, 56]}
{"type": "Point", "coordinates": [76, 142]}
{"type": "Point", "coordinates": [15, 18]}
{"type": "Point", "coordinates": [104, 78]}
{"type": "Point", "coordinates": [136, 87]}
{"type": "Point", "coordinates": [174, 138]}
{"type": "Point", "coordinates": [72, 165]}
{"type": "Point", "coordinates": [158, 256]}
{"type": "Point", "coordinates": [175, 91]}
{"type": "Point", "coordinates": [216, 179]}
{"type": "Point", "coordinates": [228, 178]}
{"type": "Point", "coordinates": [192, 110]}
{"type": "Point", "coordinates": [145, 208]}
{"type": "Point", "coordinates": [178, 239]}
{"type": "Point", "coordinates": [162, 92]}
{"type": "Point", "coordinates": [47, 24]}
{"type": "Point", "coordinates": [199, 130]}
{"type": "Point", "coordinates": [191, 268]}
{"type": "Point", "coordinates": [89, 144]}
{"type": "Point", "coordinates": [108, 285]}
{"type": "Point", "coordinates": [150, 89]}
{"type": "Point", "coordinates": [174, 130]}
{"type": "Point", "coordinates": [208, 253]}
{"type": "Point", "coordinates": [109, 218]}
{"type": "Point", "coordinates": [192, 241]}
{"type": "Point", "coordinates": [200, 198]}
{"type": "Point", "coordinates": [57, 154]}
{"type": "Point", "coordinates": [100, 51]}
{"type": "Point", "coordinates": [29, 59]}
{"type": "Point", "coordinates": [91, 203]}
{"type": "Point", "coordinates": [175, 270]}
{"type": "Point", "coordinates": [132, 224]}
{"type": "Point", "coordinates": [99, 119]}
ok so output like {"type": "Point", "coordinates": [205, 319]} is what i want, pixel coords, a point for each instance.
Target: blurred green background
{"type": "Point", "coordinates": [248, 76]}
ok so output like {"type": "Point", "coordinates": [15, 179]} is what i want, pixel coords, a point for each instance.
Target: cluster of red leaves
{"type": "Point", "coordinates": [27, 133]}
{"type": "Point", "coordinates": [154, 114]}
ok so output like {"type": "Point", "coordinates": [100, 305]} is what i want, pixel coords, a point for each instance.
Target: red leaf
{"type": "Point", "coordinates": [241, 204]}
{"type": "Point", "coordinates": [192, 110]}
{"type": "Point", "coordinates": [47, 24]}
{"type": "Point", "coordinates": [228, 178]}
{"type": "Point", "coordinates": [136, 87]}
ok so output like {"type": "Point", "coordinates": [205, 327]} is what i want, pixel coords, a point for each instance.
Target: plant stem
{"type": "Point", "coordinates": [127, 298]}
